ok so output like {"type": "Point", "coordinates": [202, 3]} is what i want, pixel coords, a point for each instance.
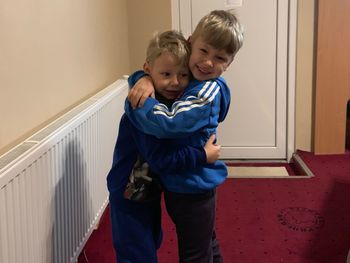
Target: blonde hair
{"type": "Point", "coordinates": [171, 41]}
{"type": "Point", "coordinates": [220, 29]}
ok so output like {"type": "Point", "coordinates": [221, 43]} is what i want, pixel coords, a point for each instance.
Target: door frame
{"type": "Point", "coordinates": [180, 16]}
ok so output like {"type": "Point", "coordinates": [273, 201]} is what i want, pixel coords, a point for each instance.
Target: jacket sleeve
{"type": "Point", "coordinates": [199, 107]}
{"type": "Point", "coordinates": [165, 155]}
{"type": "Point", "coordinates": [134, 77]}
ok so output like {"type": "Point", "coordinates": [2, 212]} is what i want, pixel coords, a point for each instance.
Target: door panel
{"type": "Point", "coordinates": [256, 126]}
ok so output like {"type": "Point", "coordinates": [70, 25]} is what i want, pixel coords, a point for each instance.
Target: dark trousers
{"type": "Point", "coordinates": [136, 230]}
{"type": "Point", "coordinates": [194, 217]}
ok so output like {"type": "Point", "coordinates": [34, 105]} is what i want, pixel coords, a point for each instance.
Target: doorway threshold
{"type": "Point", "coordinates": [295, 169]}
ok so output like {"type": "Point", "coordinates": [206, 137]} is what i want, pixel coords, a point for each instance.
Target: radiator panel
{"type": "Point", "coordinates": [53, 186]}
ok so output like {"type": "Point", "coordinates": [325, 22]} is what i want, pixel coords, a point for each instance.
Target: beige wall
{"type": "Point", "coordinates": [304, 72]}
{"type": "Point", "coordinates": [55, 54]}
{"type": "Point", "coordinates": [145, 18]}
{"type": "Point", "coordinates": [52, 55]}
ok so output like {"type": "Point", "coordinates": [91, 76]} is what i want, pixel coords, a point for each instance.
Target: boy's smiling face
{"type": "Point", "coordinates": [207, 62]}
{"type": "Point", "coordinates": [169, 76]}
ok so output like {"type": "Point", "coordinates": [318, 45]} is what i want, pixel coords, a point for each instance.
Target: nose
{"type": "Point", "coordinates": [209, 62]}
{"type": "Point", "coordinates": [174, 80]}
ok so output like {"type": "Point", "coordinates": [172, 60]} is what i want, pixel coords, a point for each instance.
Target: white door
{"type": "Point", "coordinates": [257, 124]}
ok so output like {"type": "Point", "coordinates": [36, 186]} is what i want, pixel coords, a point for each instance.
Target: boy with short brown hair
{"type": "Point", "coordinates": [136, 218]}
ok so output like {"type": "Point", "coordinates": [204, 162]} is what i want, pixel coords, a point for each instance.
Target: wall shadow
{"type": "Point", "coordinates": [71, 204]}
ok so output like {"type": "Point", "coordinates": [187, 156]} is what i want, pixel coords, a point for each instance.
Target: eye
{"type": "Point", "coordinates": [184, 75]}
{"type": "Point", "coordinates": [222, 59]}
{"type": "Point", "coordinates": [165, 74]}
{"type": "Point", "coordinates": [203, 50]}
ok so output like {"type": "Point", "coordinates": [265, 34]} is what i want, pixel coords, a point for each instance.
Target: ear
{"type": "Point", "coordinates": [146, 67]}
{"type": "Point", "coordinates": [189, 39]}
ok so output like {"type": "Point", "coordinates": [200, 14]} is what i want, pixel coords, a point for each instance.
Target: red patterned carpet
{"type": "Point", "coordinates": [268, 220]}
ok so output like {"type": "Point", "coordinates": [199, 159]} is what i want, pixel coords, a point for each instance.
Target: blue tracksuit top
{"type": "Point", "coordinates": [191, 120]}
{"type": "Point", "coordinates": [161, 155]}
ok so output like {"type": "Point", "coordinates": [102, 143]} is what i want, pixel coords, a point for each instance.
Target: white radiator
{"type": "Point", "coordinates": [53, 185]}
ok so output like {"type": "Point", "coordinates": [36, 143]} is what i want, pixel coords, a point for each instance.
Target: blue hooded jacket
{"type": "Point", "coordinates": [162, 156]}
{"type": "Point", "coordinates": [191, 120]}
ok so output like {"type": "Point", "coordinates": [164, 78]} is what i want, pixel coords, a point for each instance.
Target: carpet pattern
{"type": "Point", "coordinates": [268, 220]}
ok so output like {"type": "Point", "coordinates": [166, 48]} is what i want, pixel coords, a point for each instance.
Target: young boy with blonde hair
{"type": "Point", "coordinates": [136, 228]}
{"type": "Point", "coordinates": [190, 195]}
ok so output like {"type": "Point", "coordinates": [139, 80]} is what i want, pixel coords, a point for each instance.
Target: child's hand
{"type": "Point", "coordinates": [141, 91]}
{"type": "Point", "coordinates": [212, 149]}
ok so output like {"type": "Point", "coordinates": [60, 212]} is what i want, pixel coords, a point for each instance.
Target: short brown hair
{"type": "Point", "coordinates": [220, 29]}
{"type": "Point", "coordinates": [171, 41]}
